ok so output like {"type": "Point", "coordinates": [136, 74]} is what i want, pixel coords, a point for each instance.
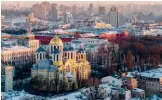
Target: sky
{"type": "Point", "coordinates": [80, 3]}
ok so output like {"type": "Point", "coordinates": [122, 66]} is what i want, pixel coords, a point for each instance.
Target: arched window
{"type": "Point", "coordinates": [57, 57]}
{"type": "Point", "coordinates": [58, 47]}
{"type": "Point", "coordinates": [65, 54]}
{"type": "Point", "coordinates": [68, 55]}
{"type": "Point", "coordinates": [55, 47]}
{"type": "Point", "coordinates": [37, 55]}
{"type": "Point", "coordinates": [81, 56]}
{"type": "Point", "coordinates": [54, 58]}
{"type": "Point", "coordinates": [71, 55]}
{"type": "Point", "coordinates": [40, 56]}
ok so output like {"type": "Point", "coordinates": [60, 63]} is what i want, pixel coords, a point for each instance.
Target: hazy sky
{"type": "Point", "coordinates": [79, 3]}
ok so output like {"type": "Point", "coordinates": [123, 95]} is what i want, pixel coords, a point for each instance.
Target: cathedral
{"type": "Point", "coordinates": [59, 68]}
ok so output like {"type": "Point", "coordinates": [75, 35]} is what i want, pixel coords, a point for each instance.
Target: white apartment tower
{"type": "Point", "coordinates": [9, 78]}
{"type": "Point", "coordinates": [67, 17]}
{"type": "Point", "coordinates": [54, 12]}
{"type": "Point", "coordinates": [114, 16]}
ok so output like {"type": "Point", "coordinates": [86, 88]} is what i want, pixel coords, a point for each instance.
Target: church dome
{"type": "Point", "coordinates": [71, 48]}
{"type": "Point", "coordinates": [56, 51]}
{"type": "Point", "coordinates": [40, 49]}
{"type": "Point", "coordinates": [52, 68]}
{"type": "Point", "coordinates": [65, 48]}
{"type": "Point", "coordinates": [68, 48]}
{"type": "Point", "coordinates": [43, 64]}
{"type": "Point", "coordinates": [81, 50]}
{"type": "Point", "coordinates": [56, 41]}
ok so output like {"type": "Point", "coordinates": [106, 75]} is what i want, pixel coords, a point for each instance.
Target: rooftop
{"type": "Point", "coordinates": [137, 90]}
{"type": "Point", "coordinates": [14, 48]}
{"type": "Point", "coordinates": [154, 73]}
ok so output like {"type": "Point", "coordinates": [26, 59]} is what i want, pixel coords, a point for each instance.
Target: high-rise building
{"type": "Point", "coordinates": [54, 12]}
{"type": "Point", "coordinates": [67, 16]}
{"type": "Point", "coordinates": [91, 8]}
{"type": "Point", "coordinates": [101, 10]}
{"type": "Point", "coordinates": [114, 16]}
{"type": "Point", "coordinates": [74, 11]}
{"type": "Point", "coordinates": [2, 20]}
{"type": "Point", "coordinates": [47, 5]}
{"type": "Point", "coordinates": [62, 8]}
{"type": "Point", "coordinates": [9, 78]}
{"type": "Point", "coordinates": [40, 11]}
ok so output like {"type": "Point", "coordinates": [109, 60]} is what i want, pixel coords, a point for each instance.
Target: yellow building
{"type": "Point", "coordinates": [103, 25]}
{"type": "Point", "coordinates": [19, 54]}
{"type": "Point", "coordinates": [131, 82]}
{"type": "Point", "coordinates": [59, 66]}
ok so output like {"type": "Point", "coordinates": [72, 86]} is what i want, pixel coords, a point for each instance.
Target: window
{"type": "Point", "coordinates": [54, 47]}
{"type": "Point", "coordinates": [81, 56]}
{"type": "Point", "coordinates": [71, 55]}
{"type": "Point", "coordinates": [40, 56]}
{"type": "Point", "coordinates": [68, 55]}
{"type": "Point", "coordinates": [57, 57]}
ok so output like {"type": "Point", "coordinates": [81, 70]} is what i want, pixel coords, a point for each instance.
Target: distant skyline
{"type": "Point", "coordinates": [81, 3]}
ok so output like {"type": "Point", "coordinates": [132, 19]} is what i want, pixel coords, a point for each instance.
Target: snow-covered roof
{"type": "Point", "coordinates": [71, 30]}
{"type": "Point", "coordinates": [71, 96]}
{"type": "Point", "coordinates": [44, 32]}
{"type": "Point", "coordinates": [111, 32]}
{"type": "Point", "coordinates": [129, 74]}
{"type": "Point", "coordinates": [111, 80]}
{"type": "Point", "coordinates": [14, 48]}
{"type": "Point", "coordinates": [59, 31]}
{"type": "Point", "coordinates": [20, 95]}
{"type": "Point", "coordinates": [88, 35]}
{"type": "Point", "coordinates": [5, 34]}
{"type": "Point", "coordinates": [137, 90]}
{"type": "Point", "coordinates": [154, 73]}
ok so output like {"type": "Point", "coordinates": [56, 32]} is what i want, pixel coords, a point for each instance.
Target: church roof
{"type": "Point", "coordinates": [43, 64]}
{"type": "Point", "coordinates": [68, 48]}
{"type": "Point", "coordinates": [81, 50]}
{"type": "Point", "coordinates": [40, 49]}
{"type": "Point", "coordinates": [52, 68]}
{"type": "Point", "coordinates": [90, 45]}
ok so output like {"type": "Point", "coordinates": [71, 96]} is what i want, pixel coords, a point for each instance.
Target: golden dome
{"type": "Point", "coordinates": [56, 41]}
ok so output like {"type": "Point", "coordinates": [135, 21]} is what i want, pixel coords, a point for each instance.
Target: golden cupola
{"type": "Point", "coordinates": [56, 41]}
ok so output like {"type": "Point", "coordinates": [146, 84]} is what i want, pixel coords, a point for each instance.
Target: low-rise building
{"type": "Point", "coordinates": [131, 81]}
{"type": "Point", "coordinates": [151, 81]}
{"type": "Point", "coordinates": [19, 54]}
{"type": "Point", "coordinates": [138, 93]}
{"type": "Point", "coordinates": [111, 80]}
